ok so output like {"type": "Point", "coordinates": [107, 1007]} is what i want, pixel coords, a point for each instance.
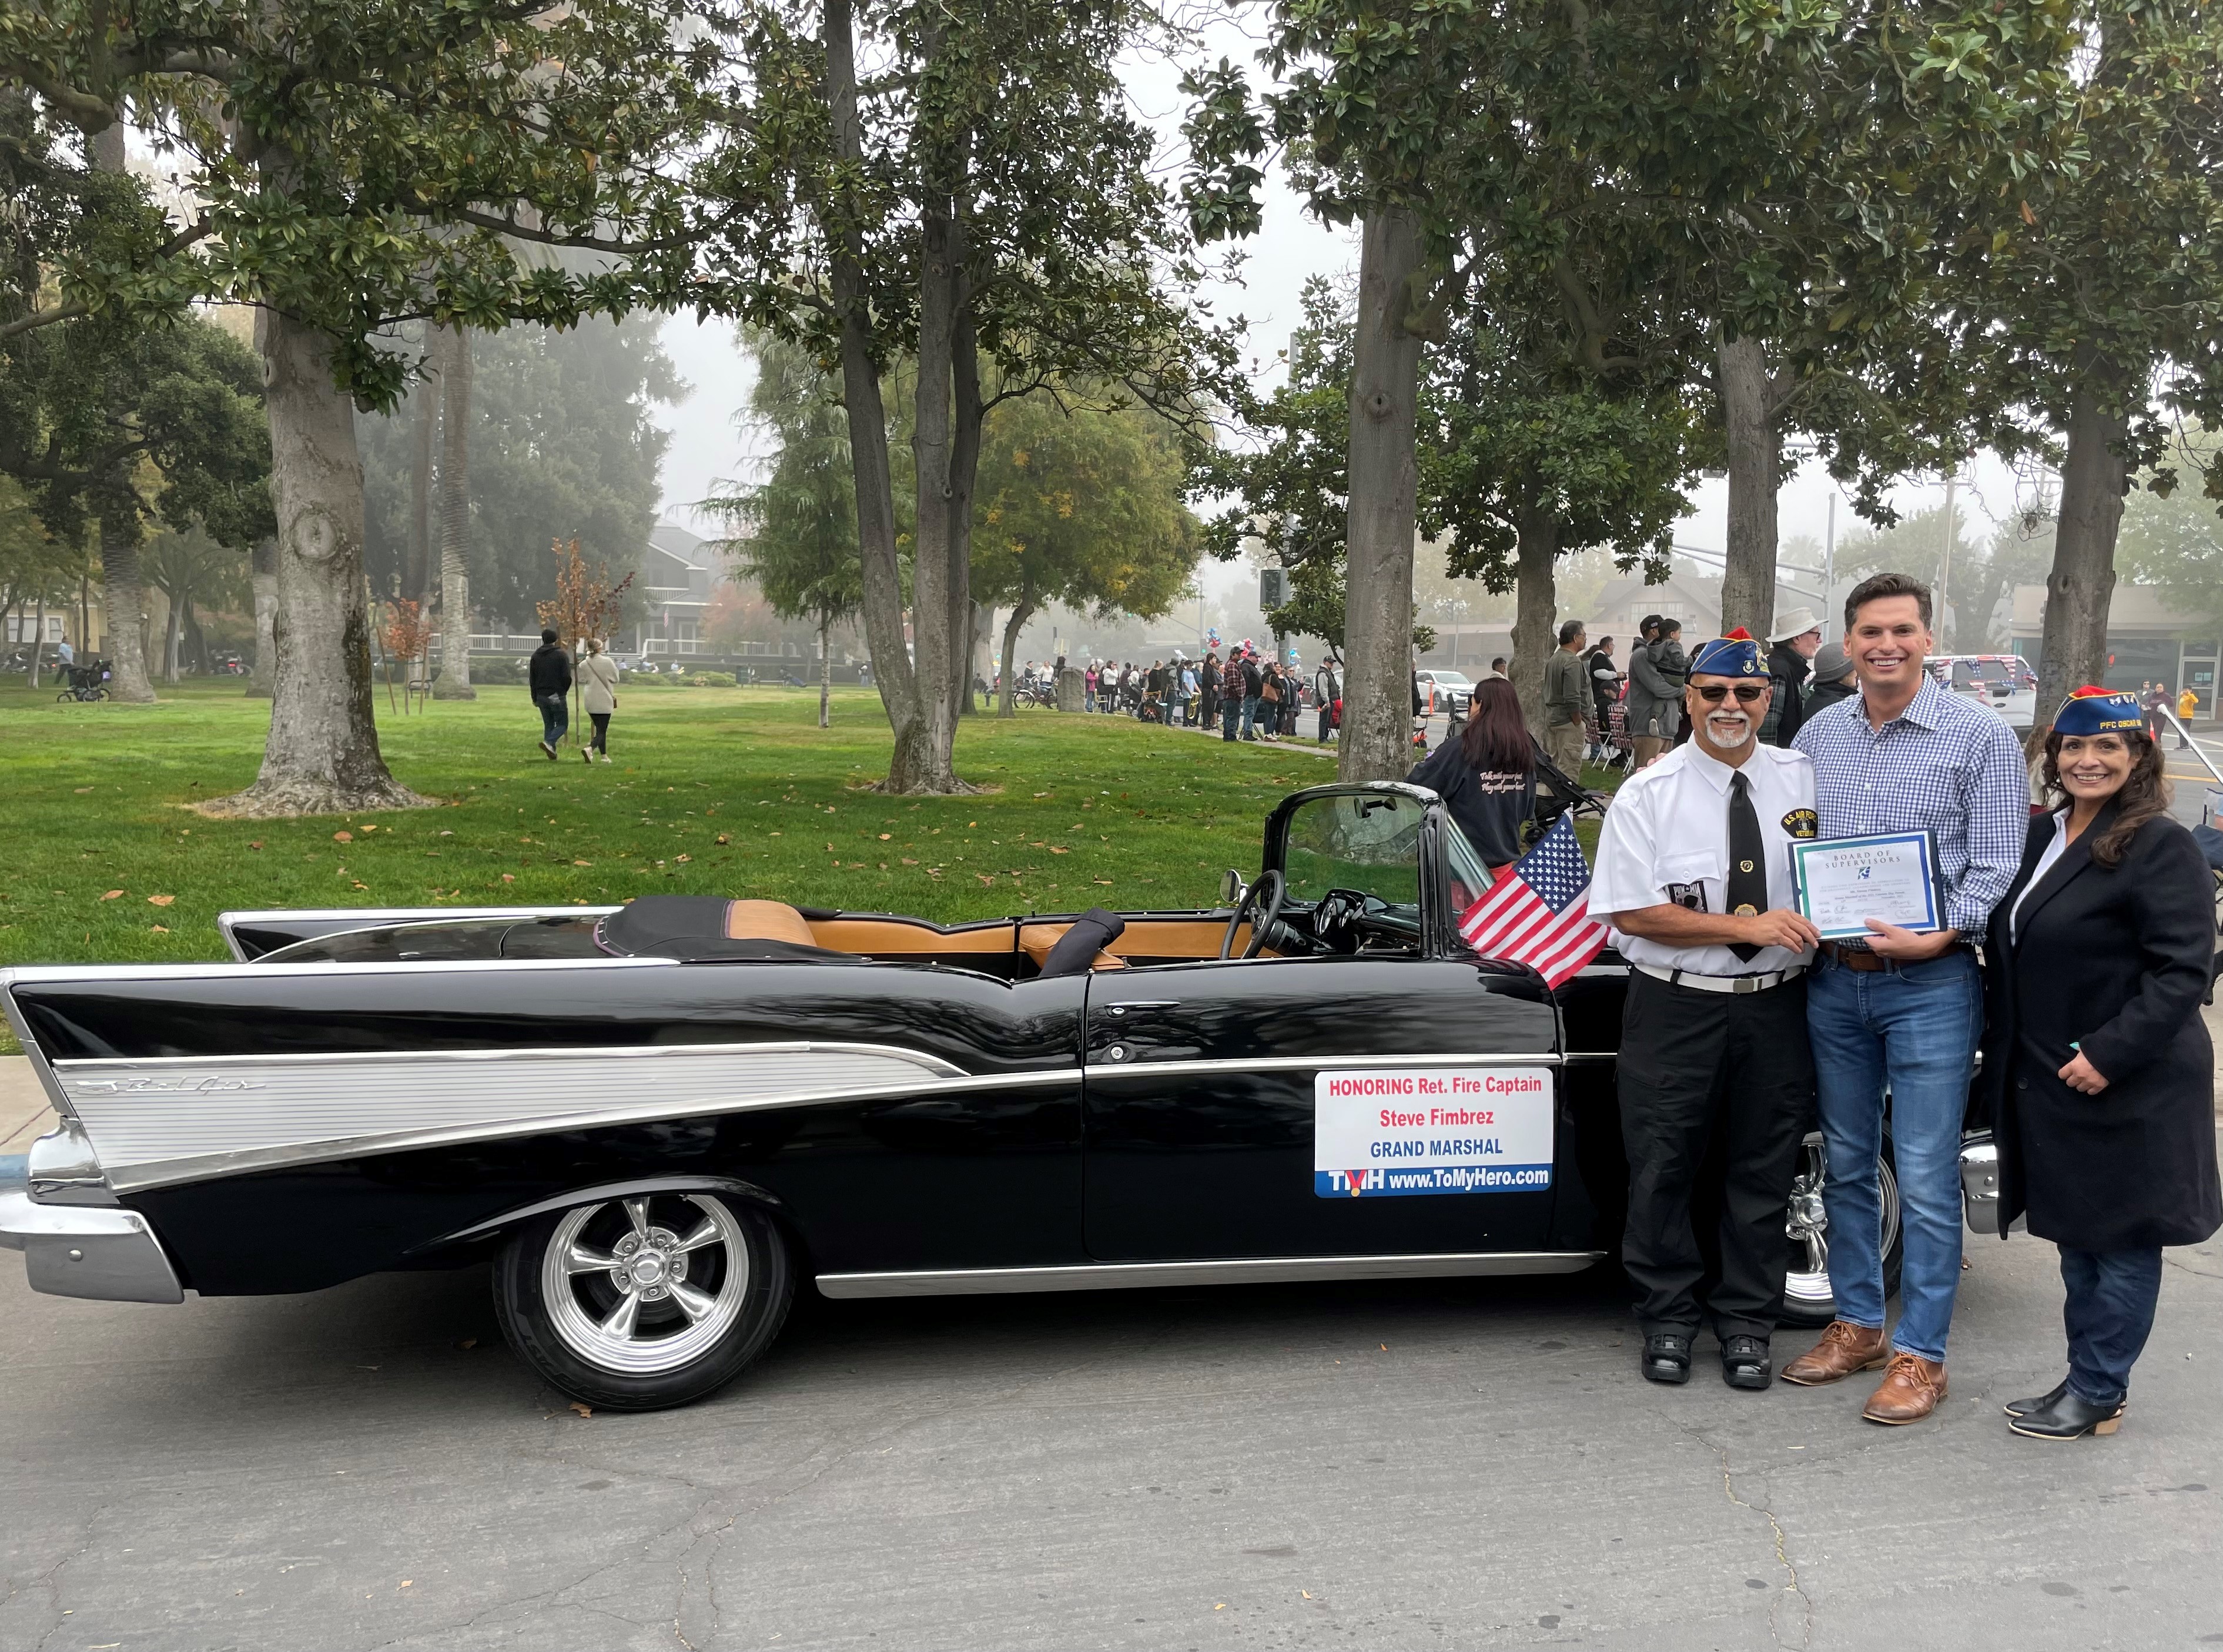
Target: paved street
{"type": "Point", "coordinates": [1423, 1465]}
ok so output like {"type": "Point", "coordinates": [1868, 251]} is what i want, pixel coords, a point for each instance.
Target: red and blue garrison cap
{"type": "Point", "coordinates": [1734, 656]}
{"type": "Point", "coordinates": [2098, 711]}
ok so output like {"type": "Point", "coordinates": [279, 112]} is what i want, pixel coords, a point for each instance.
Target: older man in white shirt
{"type": "Point", "coordinates": [1694, 870]}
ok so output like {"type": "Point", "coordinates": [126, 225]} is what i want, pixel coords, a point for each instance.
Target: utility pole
{"type": "Point", "coordinates": [1945, 563]}
{"type": "Point", "coordinates": [1829, 566]}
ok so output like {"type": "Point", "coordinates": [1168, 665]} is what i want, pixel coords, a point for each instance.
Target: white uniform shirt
{"type": "Point", "coordinates": [1666, 842]}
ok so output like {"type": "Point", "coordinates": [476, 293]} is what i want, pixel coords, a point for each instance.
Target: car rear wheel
{"type": "Point", "coordinates": [1807, 1297]}
{"type": "Point", "coordinates": [639, 1303]}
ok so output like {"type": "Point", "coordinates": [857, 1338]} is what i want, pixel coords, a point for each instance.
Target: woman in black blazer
{"type": "Point", "coordinates": [2101, 1074]}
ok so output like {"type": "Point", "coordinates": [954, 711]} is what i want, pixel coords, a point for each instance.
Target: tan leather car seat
{"type": "Point", "coordinates": [767, 921]}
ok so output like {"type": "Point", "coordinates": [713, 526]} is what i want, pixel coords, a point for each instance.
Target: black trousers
{"type": "Point", "coordinates": [1717, 1094]}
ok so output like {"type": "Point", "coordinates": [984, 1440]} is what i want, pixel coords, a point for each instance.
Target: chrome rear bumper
{"type": "Point", "coordinates": [75, 1250]}
{"type": "Point", "coordinates": [1979, 1185]}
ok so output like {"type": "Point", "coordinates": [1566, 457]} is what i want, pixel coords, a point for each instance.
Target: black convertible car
{"type": "Point", "coordinates": [659, 1118]}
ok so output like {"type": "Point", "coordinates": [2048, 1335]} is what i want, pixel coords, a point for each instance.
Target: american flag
{"type": "Point", "coordinates": [1539, 913]}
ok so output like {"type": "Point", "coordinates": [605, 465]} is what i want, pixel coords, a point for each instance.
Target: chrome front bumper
{"type": "Point", "coordinates": [75, 1250]}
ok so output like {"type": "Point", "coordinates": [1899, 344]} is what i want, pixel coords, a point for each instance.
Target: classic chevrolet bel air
{"type": "Point", "coordinates": [659, 1119]}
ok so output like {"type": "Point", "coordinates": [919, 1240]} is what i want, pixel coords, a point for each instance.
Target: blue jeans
{"type": "Point", "coordinates": [1231, 714]}
{"type": "Point", "coordinates": [555, 718]}
{"type": "Point", "coordinates": [1912, 1030]}
{"type": "Point", "coordinates": [2108, 1314]}
{"type": "Point", "coordinates": [1249, 716]}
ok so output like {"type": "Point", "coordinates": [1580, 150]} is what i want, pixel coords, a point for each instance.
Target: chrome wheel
{"type": "Point", "coordinates": [641, 1286]}
{"type": "Point", "coordinates": [1806, 1292]}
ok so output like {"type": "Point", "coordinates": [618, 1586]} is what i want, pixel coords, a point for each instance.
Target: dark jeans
{"type": "Point", "coordinates": [602, 740]}
{"type": "Point", "coordinates": [2109, 1311]}
{"type": "Point", "coordinates": [555, 718]}
{"type": "Point", "coordinates": [1232, 709]}
{"type": "Point", "coordinates": [1249, 716]}
{"type": "Point", "coordinates": [1326, 723]}
{"type": "Point", "coordinates": [1711, 1079]}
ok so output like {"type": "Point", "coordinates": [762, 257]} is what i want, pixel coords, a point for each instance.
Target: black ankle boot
{"type": "Point", "coordinates": [1666, 1357]}
{"type": "Point", "coordinates": [2024, 1407]}
{"type": "Point", "coordinates": [2068, 1418]}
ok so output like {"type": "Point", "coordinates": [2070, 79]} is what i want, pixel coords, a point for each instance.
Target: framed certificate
{"type": "Point", "coordinates": [1844, 882]}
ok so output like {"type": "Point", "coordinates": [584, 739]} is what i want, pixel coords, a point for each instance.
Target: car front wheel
{"type": "Point", "coordinates": [638, 1303]}
{"type": "Point", "coordinates": [1807, 1297]}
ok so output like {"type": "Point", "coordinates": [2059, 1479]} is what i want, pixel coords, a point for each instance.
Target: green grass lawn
{"type": "Point", "coordinates": [728, 792]}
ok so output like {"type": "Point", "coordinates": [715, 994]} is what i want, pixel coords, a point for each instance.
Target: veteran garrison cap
{"type": "Point", "coordinates": [2099, 711]}
{"type": "Point", "coordinates": [1734, 656]}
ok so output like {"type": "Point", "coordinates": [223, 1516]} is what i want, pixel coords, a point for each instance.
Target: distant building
{"type": "Point", "coordinates": [678, 573]}
{"type": "Point", "coordinates": [1623, 603]}
{"type": "Point", "coordinates": [2148, 641]}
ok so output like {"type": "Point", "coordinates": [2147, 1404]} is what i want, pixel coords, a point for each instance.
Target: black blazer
{"type": "Point", "coordinates": [2115, 960]}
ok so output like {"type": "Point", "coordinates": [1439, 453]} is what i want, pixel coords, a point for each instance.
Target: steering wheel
{"type": "Point", "coordinates": [1273, 889]}
{"type": "Point", "coordinates": [1337, 917]}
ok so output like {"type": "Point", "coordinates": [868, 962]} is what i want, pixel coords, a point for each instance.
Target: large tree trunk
{"type": "Point", "coordinates": [171, 614]}
{"type": "Point", "coordinates": [122, 597]}
{"type": "Point", "coordinates": [263, 578]}
{"type": "Point", "coordinates": [1748, 576]}
{"type": "Point", "coordinates": [2077, 591]}
{"type": "Point", "coordinates": [1023, 611]}
{"type": "Point", "coordinates": [418, 577]}
{"type": "Point", "coordinates": [1535, 610]}
{"type": "Point", "coordinates": [879, 572]}
{"type": "Point", "coordinates": [1385, 379]}
{"type": "Point", "coordinates": [454, 682]}
{"type": "Point", "coordinates": [964, 469]}
{"type": "Point", "coordinates": [321, 754]}
{"type": "Point", "coordinates": [941, 591]}
{"type": "Point", "coordinates": [976, 653]}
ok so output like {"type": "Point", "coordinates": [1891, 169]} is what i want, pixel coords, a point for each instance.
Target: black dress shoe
{"type": "Point", "coordinates": [1666, 1357]}
{"type": "Point", "coordinates": [1745, 1362]}
{"type": "Point", "coordinates": [2068, 1418]}
{"type": "Point", "coordinates": [2024, 1407]}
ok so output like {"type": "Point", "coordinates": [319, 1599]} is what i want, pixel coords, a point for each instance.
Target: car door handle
{"type": "Point", "coordinates": [1142, 1003]}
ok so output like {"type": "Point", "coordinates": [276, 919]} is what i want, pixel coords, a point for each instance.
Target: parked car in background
{"type": "Point", "coordinates": [1444, 691]}
{"type": "Point", "coordinates": [2000, 682]}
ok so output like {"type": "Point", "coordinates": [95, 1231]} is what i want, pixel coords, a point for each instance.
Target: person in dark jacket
{"type": "Point", "coordinates": [1487, 777]}
{"type": "Point", "coordinates": [1833, 680]}
{"type": "Point", "coordinates": [2097, 1065]}
{"type": "Point", "coordinates": [1254, 682]}
{"type": "Point", "coordinates": [1791, 647]}
{"type": "Point", "coordinates": [548, 679]}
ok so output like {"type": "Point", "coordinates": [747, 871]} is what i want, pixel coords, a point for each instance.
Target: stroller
{"type": "Point", "coordinates": [1558, 794]}
{"type": "Point", "coordinates": [87, 681]}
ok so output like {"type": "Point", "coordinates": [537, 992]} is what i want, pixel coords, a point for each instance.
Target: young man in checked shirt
{"type": "Point", "coordinates": [1901, 1010]}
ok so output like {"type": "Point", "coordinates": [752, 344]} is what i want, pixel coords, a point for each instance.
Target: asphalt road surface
{"type": "Point", "coordinates": [1427, 1465]}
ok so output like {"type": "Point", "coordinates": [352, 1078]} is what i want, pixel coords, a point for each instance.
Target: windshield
{"type": "Point", "coordinates": [1368, 844]}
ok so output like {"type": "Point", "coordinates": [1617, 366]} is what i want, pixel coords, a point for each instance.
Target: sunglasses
{"type": "Point", "coordinates": [1746, 692]}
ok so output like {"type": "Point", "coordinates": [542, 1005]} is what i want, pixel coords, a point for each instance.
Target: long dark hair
{"type": "Point", "coordinates": [2146, 794]}
{"type": "Point", "coordinates": [1495, 739]}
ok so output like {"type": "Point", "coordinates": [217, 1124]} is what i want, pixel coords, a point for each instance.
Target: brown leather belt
{"type": "Point", "coordinates": [1867, 963]}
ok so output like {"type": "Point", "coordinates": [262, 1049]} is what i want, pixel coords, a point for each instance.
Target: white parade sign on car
{"type": "Point", "coordinates": [1399, 1131]}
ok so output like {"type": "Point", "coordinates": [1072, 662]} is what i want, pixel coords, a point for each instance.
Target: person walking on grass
{"type": "Point", "coordinates": [548, 680]}
{"type": "Point", "coordinates": [598, 693]}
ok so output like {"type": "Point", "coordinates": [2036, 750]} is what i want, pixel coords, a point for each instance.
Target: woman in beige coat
{"type": "Point", "coordinates": [598, 693]}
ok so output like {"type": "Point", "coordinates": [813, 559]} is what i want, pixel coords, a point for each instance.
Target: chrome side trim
{"type": "Point", "coordinates": [601, 1193]}
{"type": "Point", "coordinates": [933, 1063]}
{"type": "Point", "coordinates": [1119, 1275]}
{"type": "Point", "coordinates": [376, 917]}
{"type": "Point", "coordinates": [70, 1251]}
{"type": "Point", "coordinates": [1143, 1064]}
{"type": "Point", "coordinates": [34, 975]}
{"type": "Point", "coordinates": [321, 1114]}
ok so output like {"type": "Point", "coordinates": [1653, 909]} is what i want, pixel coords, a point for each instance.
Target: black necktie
{"type": "Point", "coordinates": [1747, 881]}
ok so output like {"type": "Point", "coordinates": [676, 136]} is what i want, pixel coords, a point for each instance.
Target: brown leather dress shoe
{"type": "Point", "coordinates": [1911, 1389]}
{"type": "Point", "coordinates": [1843, 1350]}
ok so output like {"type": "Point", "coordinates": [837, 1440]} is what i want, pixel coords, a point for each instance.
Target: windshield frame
{"type": "Point", "coordinates": [1438, 931]}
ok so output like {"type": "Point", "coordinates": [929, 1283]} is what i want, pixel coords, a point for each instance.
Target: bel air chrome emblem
{"type": "Point", "coordinates": [157, 1086]}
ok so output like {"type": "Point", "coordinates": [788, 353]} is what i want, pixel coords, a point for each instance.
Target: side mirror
{"type": "Point", "coordinates": [1232, 888]}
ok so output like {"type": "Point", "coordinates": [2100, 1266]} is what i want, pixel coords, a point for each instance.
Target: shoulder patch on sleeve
{"type": "Point", "coordinates": [1802, 823]}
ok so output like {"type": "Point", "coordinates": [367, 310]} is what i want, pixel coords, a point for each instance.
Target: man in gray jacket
{"type": "Point", "coordinates": [1566, 696]}
{"type": "Point", "coordinates": [1655, 691]}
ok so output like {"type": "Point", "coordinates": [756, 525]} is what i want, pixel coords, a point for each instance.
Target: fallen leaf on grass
{"type": "Point", "coordinates": [582, 1408]}
{"type": "Point", "coordinates": [723, 838]}
{"type": "Point", "coordinates": [111, 895]}
{"type": "Point", "coordinates": [1055, 850]}
{"type": "Point", "coordinates": [583, 863]}
{"type": "Point", "coordinates": [257, 846]}
{"type": "Point", "coordinates": [1103, 881]}
{"type": "Point", "coordinates": [160, 929]}
{"type": "Point", "coordinates": [984, 877]}
{"type": "Point", "coordinates": [82, 790]}
{"type": "Point", "coordinates": [509, 877]}
{"type": "Point", "coordinates": [342, 837]}
{"type": "Point", "coordinates": [908, 861]}
{"type": "Point", "coordinates": [884, 836]}
{"type": "Point", "coordinates": [160, 900]}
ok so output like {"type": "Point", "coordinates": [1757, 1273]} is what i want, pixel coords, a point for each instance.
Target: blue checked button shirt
{"type": "Point", "coordinates": [1940, 765]}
